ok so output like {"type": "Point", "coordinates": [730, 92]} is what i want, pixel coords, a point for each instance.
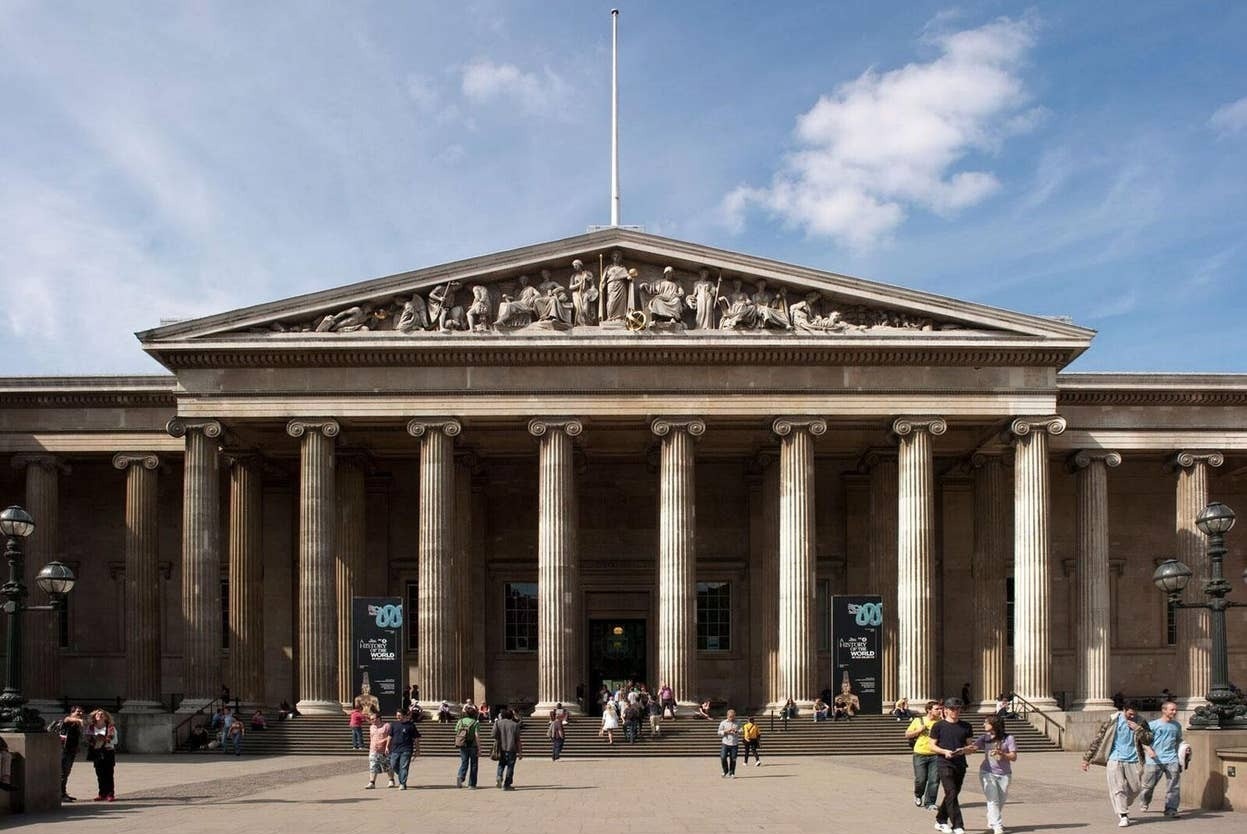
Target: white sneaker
{"type": "Point", "coordinates": [1123, 822]}
{"type": "Point", "coordinates": [1143, 808]}
{"type": "Point", "coordinates": [959, 831]}
{"type": "Point", "coordinates": [945, 827]}
{"type": "Point", "coordinates": [757, 764]}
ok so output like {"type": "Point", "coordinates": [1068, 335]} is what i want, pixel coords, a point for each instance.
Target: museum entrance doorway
{"type": "Point", "coordinates": [616, 656]}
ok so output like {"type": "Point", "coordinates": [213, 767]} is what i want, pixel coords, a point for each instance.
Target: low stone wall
{"type": "Point", "coordinates": [145, 732]}
{"type": "Point", "coordinates": [1207, 783]}
{"type": "Point", "coordinates": [36, 773]}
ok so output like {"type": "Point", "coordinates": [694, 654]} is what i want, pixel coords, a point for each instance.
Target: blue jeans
{"type": "Point", "coordinates": [237, 744]}
{"type": "Point", "coordinates": [506, 767]}
{"type": "Point", "coordinates": [357, 737]}
{"type": "Point", "coordinates": [727, 758]}
{"type": "Point", "coordinates": [400, 761]}
{"type": "Point", "coordinates": [556, 747]}
{"type": "Point", "coordinates": [926, 778]}
{"type": "Point", "coordinates": [1151, 777]}
{"type": "Point", "coordinates": [469, 759]}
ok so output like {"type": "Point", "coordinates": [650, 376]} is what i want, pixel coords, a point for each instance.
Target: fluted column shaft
{"type": "Point", "coordinates": [41, 637]}
{"type": "Point", "coordinates": [915, 558]}
{"type": "Point", "coordinates": [318, 596]}
{"type": "Point", "coordinates": [558, 566]}
{"type": "Point", "coordinates": [1191, 548]}
{"type": "Point", "coordinates": [990, 561]}
{"type": "Point", "coordinates": [464, 564]}
{"type": "Point", "coordinates": [1092, 687]}
{"type": "Point", "coordinates": [677, 556]}
{"type": "Point", "coordinates": [246, 579]}
{"type": "Point", "coordinates": [883, 561]}
{"type": "Point", "coordinates": [142, 578]}
{"type": "Point", "coordinates": [797, 661]}
{"type": "Point", "coordinates": [1032, 580]}
{"type": "Point", "coordinates": [437, 618]}
{"type": "Point", "coordinates": [201, 561]}
{"type": "Point", "coordinates": [348, 564]}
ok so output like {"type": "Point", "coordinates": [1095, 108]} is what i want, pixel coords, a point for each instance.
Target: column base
{"type": "Point", "coordinates": [1045, 704]}
{"type": "Point", "coordinates": [983, 708]}
{"type": "Point", "coordinates": [311, 707]}
{"type": "Point", "coordinates": [542, 710]}
{"type": "Point", "coordinates": [1184, 704]}
{"type": "Point", "coordinates": [1093, 705]}
{"type": "Point", "coordinates": [135, 706]}
{"type": "Point", "coordinates": [804, 708]}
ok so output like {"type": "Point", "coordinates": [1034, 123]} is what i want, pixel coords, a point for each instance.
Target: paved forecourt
{"type": "Point", "coordinates": [326, 794]}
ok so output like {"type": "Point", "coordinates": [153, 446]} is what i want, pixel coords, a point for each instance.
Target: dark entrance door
{"type": "Point", "coordinates": [616, 653]}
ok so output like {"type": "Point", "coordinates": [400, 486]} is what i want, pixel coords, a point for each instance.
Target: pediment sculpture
{"type": "Point", "coordinates": [640, 298]}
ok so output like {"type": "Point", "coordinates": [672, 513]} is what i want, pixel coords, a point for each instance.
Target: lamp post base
{"type": "Point", "coordinates": [20, 719]}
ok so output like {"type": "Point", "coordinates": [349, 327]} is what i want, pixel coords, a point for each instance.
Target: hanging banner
{"type": "Point", "coordinates": [857, 641]}
{"type": "Point", "coordinates": [377, 635]}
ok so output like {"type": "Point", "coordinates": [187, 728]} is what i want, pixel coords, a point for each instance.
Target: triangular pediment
{"type": "Point", "coordinates": [613, 283]}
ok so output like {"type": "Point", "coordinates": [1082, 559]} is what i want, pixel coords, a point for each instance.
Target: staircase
{"type": "Point", "coordinates": [865, 735]}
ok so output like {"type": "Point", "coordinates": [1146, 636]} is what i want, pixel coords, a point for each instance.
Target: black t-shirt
{"type": "Point", "coordinates": [73, 736]}
{"type": "Point", "coordinates": [952, 736]}
{"type": "Point", "coordinates": [402, 735]}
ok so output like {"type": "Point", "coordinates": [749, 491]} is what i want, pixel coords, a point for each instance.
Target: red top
{"type": "Point", "coordinates": [357, 718]}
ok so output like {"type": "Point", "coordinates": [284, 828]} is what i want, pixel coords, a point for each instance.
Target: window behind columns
{"type": "Point", "coordinates": [521, 617]}
{"type": "Point", "coordinates": [1171, 624]}
{"type": "Point", "coordinates": [714, 616]}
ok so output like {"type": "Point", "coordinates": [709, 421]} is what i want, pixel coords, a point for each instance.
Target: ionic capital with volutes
{"type": "Point", "coordinates": [420, 426]}
{"type": "Point", "coordinates": [1185, 459]}
{"type": "Point", "coordinates": [662, 426]}
{"type": "Point", "coordinates": [1084, 458]}
{"type": "Point", "coordinates": [147, 460]}
{"type": "Point", "coordinates": [784, 426]}
{"type": "Point", "coordinates": [540, 426]}
{"type": "Point", "coordinates": [1023, 426]}
{"type": "Point", "coordinates": [325, 425]}
{"type": "Point", "coordinates": [903, 426]}
{"type": "Point", "coordinates": [180, 426]}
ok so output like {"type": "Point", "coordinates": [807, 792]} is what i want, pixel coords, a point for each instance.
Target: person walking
{"type": "Point", "coordinates": [654, 708]}
{"type": "Point", "coordinates": [751, 735]}
{"type": "Point", "coordinates": [378, 751]}
{"type": "Point", "coordinates": [997, 769]}
{"type": "Point", "coordinates": [1119, 747]}
{"type": "Point", "coordinates": [233, 735]}
{"type": "Point", "coordinates": [467, 739]}
{"type": "Point", "coordinates": [510, 748]}
{"type": "Point", "coordinates": [951, 739]}
{"type": "Point", "coordinates": [610, 722]}
{"type": "Point", "coordinates": [403, 735]}
{"type": "Point", "coordinates": [729, 734]}
{"type": "Point", "coordinates": [356, 723]}
{"type": "Point", "coordinates": [926, 767]}
{"type": "Point", "coordinates": [666, 700]}
{"type": "Point", "coordinates": [557, 731]}
{"type": "Point", "coordinates": [101, 736]}
{"type": "Point", "coordinates": [1162, 759]}
{"type": "Point", "coordinates": [632, 720]}
{"type": "Point", "coordinates": [71, 741]}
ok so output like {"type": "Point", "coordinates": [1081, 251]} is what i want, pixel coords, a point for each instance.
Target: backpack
{"type": "Point", "coordinates": [57, 727]}
{"type": "Point", "coordinates": [465, 733]}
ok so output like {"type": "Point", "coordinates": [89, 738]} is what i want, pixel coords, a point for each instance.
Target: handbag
{"type": "Point", "coordinates": [93, 754]}
{"type": "Point", "coordinates": [494, 752]}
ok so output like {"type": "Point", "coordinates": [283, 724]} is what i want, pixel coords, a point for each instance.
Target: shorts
{"type": "Point", "coordinates": [378, 763]}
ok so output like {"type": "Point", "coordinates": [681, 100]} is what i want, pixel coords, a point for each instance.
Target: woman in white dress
{"type": "Point", "coordinates": [610, 721]}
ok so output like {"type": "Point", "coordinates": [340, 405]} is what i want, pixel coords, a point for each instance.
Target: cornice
{"type": "Point", "coordinates": [1152, 389]}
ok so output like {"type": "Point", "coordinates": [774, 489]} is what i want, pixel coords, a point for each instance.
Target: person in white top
{"type": "Point", "coordinates": [729, 733]}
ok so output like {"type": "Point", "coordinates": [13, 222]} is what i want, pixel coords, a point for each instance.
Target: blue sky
{"type": "Point", "coordinates": [164, 160]}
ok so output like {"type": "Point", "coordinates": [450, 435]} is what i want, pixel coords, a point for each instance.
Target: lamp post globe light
{"type": "Point", "coordinates": [57, 580]}
{"type": "Point", "coordinates": [1225, 709]}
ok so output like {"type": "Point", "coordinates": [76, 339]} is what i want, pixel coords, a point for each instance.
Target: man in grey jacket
{"type": "Point", "coordinates": [507, 740]}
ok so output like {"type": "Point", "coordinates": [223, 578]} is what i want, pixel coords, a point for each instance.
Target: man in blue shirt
{"type": "Point", "coordinates": [1125, 758]}
{"type": "Point", "coordinates": [1162, 758]}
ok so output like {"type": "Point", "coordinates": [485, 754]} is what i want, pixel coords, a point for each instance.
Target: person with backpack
{"type": "Point", "coordinates": [467, 739]}
{"type": "Point", "coordinates": [751, 735]}
{"type": "Point", "coordinates": [926, 765]}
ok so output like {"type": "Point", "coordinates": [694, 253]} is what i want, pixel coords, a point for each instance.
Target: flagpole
{"type": "Point", "coordinates": [614, 117]}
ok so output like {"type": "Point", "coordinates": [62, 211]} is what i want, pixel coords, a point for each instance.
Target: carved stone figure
{"type": "Point", "coordinates": [703, 300]}
{"type": "Point", "coordinates": [515, 312]}
{"type": "Point", "coordinates": [805, 320]}
{"type": "Point", "coordinates": [615, 283]}
{"type": "Point", "coordinates": [349, 320]}
{"type": "Point", "coordinates": [584, 295]}
{"type": "Point", "coordinates": [443, 314]}
{"type": "Point", "coordinates": [742, 313]}
{"type": "Point", "coordinates": [666, 297]}
{"type": "Point", "coordinates": [552, 303]}
{"type": "Point", "coordinates": [772, 308]}
{"type": "Point", "coordinates": [414, 316]}
{"type": "Point", "coordinates": [479, 313]}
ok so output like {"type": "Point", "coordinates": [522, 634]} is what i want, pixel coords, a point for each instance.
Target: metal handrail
{"type": "Point", "coordinates": [1028, 708]}
{"type": "Point", "coordinates": [177, 729]}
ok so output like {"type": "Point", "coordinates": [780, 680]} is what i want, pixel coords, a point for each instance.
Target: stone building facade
{"type": "Point", "coordinates": [621, 455]}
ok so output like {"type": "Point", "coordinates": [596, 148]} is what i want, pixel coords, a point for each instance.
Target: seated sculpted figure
{"type": "Point", "coordinates": [741, 313]}
{"type": "Point", "coordinates": [414, 316]}
{"type": "Point", "coordinates": [667, 297]}
{"type": "Point", "coordinates": [772, 308]}
{"type": "Point", "coordinates": [804, 319]}
{"type": "Point", "coordinates": [349, 320]}
{"type": "Point", "coordinates": [519, 311]}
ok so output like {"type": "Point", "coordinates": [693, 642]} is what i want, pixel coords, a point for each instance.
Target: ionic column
{"type": "Point", "coordinates": [1093, 689]}
{"type": "Point", "coordinates": [1032, 579]}
{"type": "Point", "coordinates": [465, 578]}
{"type": "Point", "coordinates": [318, 596]}
{"type": "Point", "coordinates": [246, 578]}
{"type": "Point", "coordinates": [882, 544]}
{"type": "Point", "coordinates": [142, 554]}
{"type": "Point", "coordinates": [41, 635]}
{"type": "Point", "coordinates": [201, 561]}
{"type": "Point", "coordinates": [992, 555]}
{"type": "Point", "coordinates": [349, 564]}
{"type": "Point", "coordinates": [915, 557]}
{"type": "Point", "coordinates": [677, 556]}
{"type": "Point", "coordinates": [1191, 548]}
{"type": "Point", "coordinates": [437, 618]}
{"type": "Point", "coordinates": [558, 566]}
{"type": "Point", "coordinates": [797, 666]}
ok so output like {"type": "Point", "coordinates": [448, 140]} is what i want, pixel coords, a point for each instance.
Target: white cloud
{"type": "Point", "coordinates": [486, 82]}
{"type": "Point", "coordinates": [887, 142]}
{"type": "Point", "coordinates": [1231, 118]}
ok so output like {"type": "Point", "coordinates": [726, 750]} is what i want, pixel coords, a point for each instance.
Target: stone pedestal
{"type": "Point", "coordinates": [1206, 783]}
{"type": "Point", "coordinates": [1032, 647]}
{"type": "Point", "coordinates": [1191, 548]}
{"type": "Point", "coordinates": [36, 772]}
{"type": "Point", "coordinates": [201, 562]}
{"type": "Point", "coordinates": [1093, 690]}
{"type": "Point", "coordinates": [797, 667]}
{"type": "Point", "coordinates": [142, 553]}
{"type": "Point", "coordinates": [677, 557]}
{"type": "Point", "coordinates": [558, 567]}
{"type": "Point", "coordinates": [915, 574]}
{"type": "Point", "coordinates": [992, 554]}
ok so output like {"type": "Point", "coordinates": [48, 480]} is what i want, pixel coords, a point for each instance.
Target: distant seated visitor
{"type": "Point", "coordinates": [901, 711]}
{"type": "Point", "coordinates": [258, 721]}
{"type": "Point", "coordinates": [821, 710]}
{"type": "Point", "coordinates": [444, 712]}
{"type": "Point", "coordinates": [790, 709]}
{"type": "Point", "coordinates": [703, 710]}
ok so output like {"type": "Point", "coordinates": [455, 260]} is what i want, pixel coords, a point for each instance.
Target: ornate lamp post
{"type": "Point", "coordinates": [1225, 710]}
{"type": "Point", "coordinates": [57, 580]}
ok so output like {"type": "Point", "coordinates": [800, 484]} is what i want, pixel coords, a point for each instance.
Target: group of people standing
{"type": "Point", "coordinates": [98, 734]}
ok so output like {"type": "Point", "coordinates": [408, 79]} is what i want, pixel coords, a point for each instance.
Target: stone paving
{"type": "Point", "coordinates": [192, 794]}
